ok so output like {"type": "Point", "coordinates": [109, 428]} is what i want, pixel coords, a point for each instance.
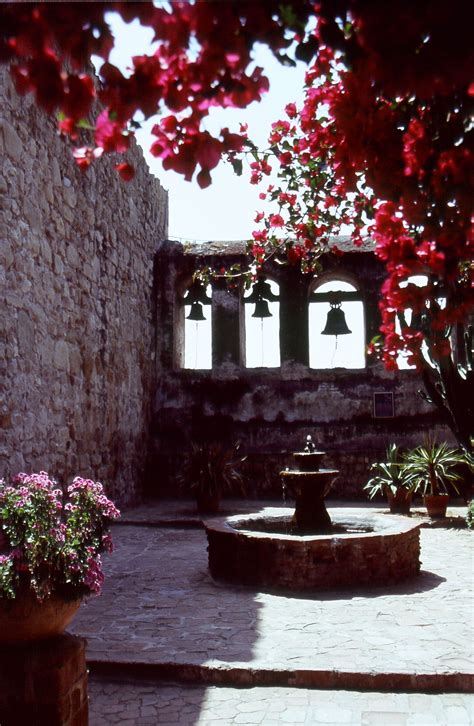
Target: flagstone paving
{"type": "Point", "coordinates": [144, 704]}
{"type": "Point", "coordinates": [162, 616]}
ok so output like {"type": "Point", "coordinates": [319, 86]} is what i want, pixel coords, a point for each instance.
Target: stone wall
{"type": "Point", "coordinates": [270, 411]}
{"type": "Point", "coordinates": [77, 366]}
{"type": "Point", "coordinates": [369, 549]}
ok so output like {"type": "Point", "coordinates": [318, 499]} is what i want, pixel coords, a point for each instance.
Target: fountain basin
{"type": "Point", "coordinates": [380, 550]}
{"type": "Point", "coordinates": [308, 460]}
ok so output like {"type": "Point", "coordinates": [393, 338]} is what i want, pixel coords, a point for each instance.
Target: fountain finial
{"type": "Point", "coordinates": [310, 445]}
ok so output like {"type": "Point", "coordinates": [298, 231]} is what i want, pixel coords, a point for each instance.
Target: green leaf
{"type": "Point", "coordinates": [83, 123]}
{"type": "Point", "coordinates": [288, 15]}
{"type": "Point", "coordinates": [237, 166]}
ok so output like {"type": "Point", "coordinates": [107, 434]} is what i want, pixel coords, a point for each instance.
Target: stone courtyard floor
{"type": "Point", "coordinates": [168, 645]}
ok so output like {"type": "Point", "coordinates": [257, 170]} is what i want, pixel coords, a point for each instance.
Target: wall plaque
{"type": "Point", "coordinates": [383, 403]}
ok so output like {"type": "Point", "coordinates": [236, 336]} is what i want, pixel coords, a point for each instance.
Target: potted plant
{"type": "Point", "coordinates": [209, 471]}
{"type": "Point", "coordinates": [429, 469]}
{"type": "Point", "coordinates": [50, 552]}
{"type": "Point", "coordinates": [389, 479]}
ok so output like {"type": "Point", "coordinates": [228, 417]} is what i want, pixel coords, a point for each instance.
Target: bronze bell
{"type": "Point", "coordinates": [261, 290]}
{"type": "Point", "coordinates": [261, 310]}
{"type": "Point", "coordinates": [336, 321]}
{"type": "Point", "coordinates": [197, 293]}
{"type": "Point", "coordinates": [196, 312]}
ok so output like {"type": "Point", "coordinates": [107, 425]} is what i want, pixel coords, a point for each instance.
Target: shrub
{"type": "Point", "coordinates": [54, 540]}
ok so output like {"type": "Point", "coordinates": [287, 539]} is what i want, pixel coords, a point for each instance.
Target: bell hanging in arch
{"type": "Point", "coordinates": [261, 310]}
{"type": "Point", "coordinates": [336, 321]}
{"type": "Point", "coordinates": [196, 313]}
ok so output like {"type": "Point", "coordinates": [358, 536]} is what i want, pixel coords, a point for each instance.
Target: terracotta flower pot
{"type": "Point", "coordinates": [207, 503]}
{"type": "Point", "coordinates": [399, 503]}
{"type": "Point", "coordinates": [25, 619]}
{"type": "Point", "coordinates": [436, 504]}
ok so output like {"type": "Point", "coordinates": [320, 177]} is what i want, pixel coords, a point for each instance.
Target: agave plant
{"type": "Point", "coordinates": [389, 475]}
{"type": "Point", "coordinates": [431, 467]}
{"type": "Point", "coordinates": [212, 469]}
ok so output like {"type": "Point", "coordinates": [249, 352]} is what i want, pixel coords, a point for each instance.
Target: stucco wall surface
{"type": "Point", "coordinates": [76, 278]}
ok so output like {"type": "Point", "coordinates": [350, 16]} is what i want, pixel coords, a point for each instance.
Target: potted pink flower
{"type": "Point", "coordinates": [50, 552]}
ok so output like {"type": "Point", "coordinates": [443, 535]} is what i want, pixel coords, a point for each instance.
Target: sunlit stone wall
{"type": "Point", "coordinates": [76, 277]}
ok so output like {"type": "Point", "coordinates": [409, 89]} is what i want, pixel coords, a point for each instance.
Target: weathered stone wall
{"type": "Point", "coordinates": [77, 305]}
{"type": "Point", "coordinates": [270, 411]}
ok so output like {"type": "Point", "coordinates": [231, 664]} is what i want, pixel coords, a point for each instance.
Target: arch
{"type": "Point", "coordinates": [349, 281]}
{"type": "Point", "coordinates": [402, 362]}
{"type": "Point", "coordinates": [341, 351]}
{"type": "Point", "coordinates": [194, 336]}
{"type": "Point", "coordinates": [262, 334]}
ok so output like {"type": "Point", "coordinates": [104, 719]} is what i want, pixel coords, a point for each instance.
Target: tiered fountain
{"type": "Point", "coordinates": [307, 549]}
{"type": "Point", "coordinates": [309, 485]}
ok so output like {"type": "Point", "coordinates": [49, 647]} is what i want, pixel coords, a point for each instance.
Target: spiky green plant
{"type": "Point", "coordinates": [212, 469]}
{"type": "Point", "coordinates": [388, 475]}
{"type": "Point", "coordinates": [431, 467]}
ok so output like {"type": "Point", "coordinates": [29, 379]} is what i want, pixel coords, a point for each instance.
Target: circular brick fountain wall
{"type": "Point", "coordinates": [387, 553]}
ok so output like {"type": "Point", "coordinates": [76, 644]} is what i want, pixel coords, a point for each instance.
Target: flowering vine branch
{"type": "Point", "coordinates": [383, 142]}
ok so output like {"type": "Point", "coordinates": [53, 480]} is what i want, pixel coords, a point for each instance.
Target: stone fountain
{"type": "Point", "coordinates": [309, 485]}
{"type": "Point", "coordinates": [308, 549]}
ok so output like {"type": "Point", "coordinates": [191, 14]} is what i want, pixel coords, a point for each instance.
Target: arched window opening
{"type": "Point", "coordinates": [198, 327]}
{"type": "Point", "coordinates": [336, 326]}
{"type": "Point", "coordinates": [419, 281]}
{"type": "Point", "coordinates": [262, 325]}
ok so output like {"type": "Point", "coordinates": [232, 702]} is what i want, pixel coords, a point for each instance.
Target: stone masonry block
{"type": "Point", "coordinates": [44, 683]}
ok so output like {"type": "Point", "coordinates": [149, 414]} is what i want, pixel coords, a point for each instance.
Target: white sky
{"type": "Point", "coordinates": [226, 209]}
